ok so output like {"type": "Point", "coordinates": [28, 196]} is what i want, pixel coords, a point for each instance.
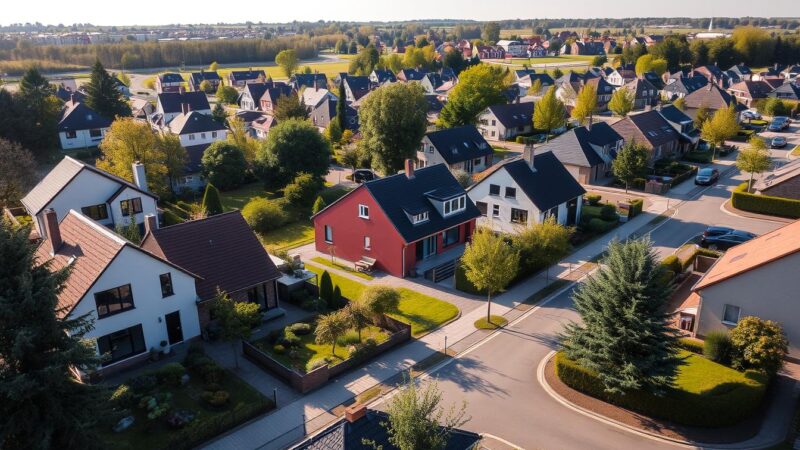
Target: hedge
{"type": "Point", "coordinates": [680, 178]}
{"type": "Point", "coordinates": [699, 251]}
{"type": "Point", "coordinates": [463, 284]}
{"type": "Point", "coordinates": [728, 406]}
{"type": "Point", "coordinates": [636, 207]}
{"type": "Point", "coordinates": [700, 157]}
{"type": "Point", "coordinates": [672, 263]}
{"type": "Point", "coordinates": [691, 345]}
{"type": "Point", "coordinates": [764, 204]}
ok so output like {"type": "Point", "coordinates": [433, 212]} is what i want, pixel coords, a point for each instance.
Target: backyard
{"type": "Point", "coordinates": [424, 313]}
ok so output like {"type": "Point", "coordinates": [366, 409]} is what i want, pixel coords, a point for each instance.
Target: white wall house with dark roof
{"type": "Point", "coordinates": [81, 127]}
{"type": "Point", "coordinates": [506, 121]}
{"type": "Point", "coordinates": [460, 148]}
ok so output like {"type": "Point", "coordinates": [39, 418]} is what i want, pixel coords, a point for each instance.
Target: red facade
{"type": "Point", "coordinates": [348, 231]}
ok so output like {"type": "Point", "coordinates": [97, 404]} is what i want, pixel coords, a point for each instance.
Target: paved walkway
{"type": "Point", "coordinates": [312, 411]}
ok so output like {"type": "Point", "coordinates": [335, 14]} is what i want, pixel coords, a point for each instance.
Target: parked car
{"type": "Point", "coordinates": [718, 239]}
{"type": "Point", "coordinates": [706, 177]}
{"type": "Point", "coordinates": [751, 114]}
{"type": "Point", "coordinates": [779, 123]}
{"type": "Point", "coordinates": [362, 175]}
{"type": "Point", "coordinates": [778, 142]}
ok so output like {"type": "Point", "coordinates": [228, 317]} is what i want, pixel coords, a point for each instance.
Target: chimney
{"type": "Point", "coordinates": [183, 108]}
{"type": "Point", "coordinates": [51, 230]}
{"type": "Point", "coordinates": [355, 412]}
{"type": "Point", "coordinates": [139, 176]}
{"type": "Point", "coordinates": [72, 98]}
{"type": "Point", "coordinates": [409, 168]}
{"type": "Point", "coordinates": [181, 90]}
{"type": "Point", "coordinates": [150, 223]}
{"type": "Point", "coordinates": [528, 154]}
{"type": "Point", "coordinates": [188, 108]}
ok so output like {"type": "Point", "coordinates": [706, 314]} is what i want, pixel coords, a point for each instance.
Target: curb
{"type": "Point", "coordinates": [727, 211]}
{"type": "Point", "coordinates": [628, 428]}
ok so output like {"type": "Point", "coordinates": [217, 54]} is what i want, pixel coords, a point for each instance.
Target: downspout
{"type": "Point", "coordinates": [403, 259]}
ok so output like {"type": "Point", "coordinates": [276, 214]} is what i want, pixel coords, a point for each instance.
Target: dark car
{"type": "Point", "coordinates": [726, 240]}
{"type": "Point", "coordinates": [706, 177]}
{"type": "Point", "coordinates": [778, 142]}
{"type": "Point", "coordinates": [779, 123]}
{"type": "Point", "coordinates": [362, 175]}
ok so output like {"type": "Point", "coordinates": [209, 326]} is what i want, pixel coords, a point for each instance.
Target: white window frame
{"type": "Point", "coordinates": [495, 210]}
{"type": "Point", "coordinates": [328, 232]}
{"type": "Point", "coordinates": [363, 211]}
{"type": "Point", "coordinates": [367, 243]}
{"type": "Point", "coordinates": [725, 310]}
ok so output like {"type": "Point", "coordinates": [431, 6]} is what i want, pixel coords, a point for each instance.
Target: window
{"type": "Point", "coordinates": [494, 189]}
{"type": "Point", "coordinates": [131, 206]}
{"type": "Point", "coordinates": [95, 212]}
{"type": "Point", "coordinates": [481, 207]}
{"type": "Point", "coordinates": [511, 192]}
{"type": "Point", "coordinates": [450, 236]}
{"type": "Point", "coordinates": [114, 301]}
{"type": "Point", "coordinates": [495, 210]}
{"type": "Point", "coordinates": [455, 205]}
{"type": "Point", "coordinates": [202, 135]}
{"type": "Point", "coordinates": [71, 134]}
{"type": "Point", "coordinates": [519, 216]}
{"type": "Point", "coordinates": [363, 211]}
{"type": "Point", "coordinates": [494, 122]}
{"type": "Point", "coordinates": [328, 234]}
{"type": "Point", "coordinates": [95, 133]}
{"type": "Point", "coordinates": [492, 133]}
{"type": "Point", "coordinates": [367, 243]}
{"type": "Point", "coordinates": [191, 137]}
{"type": "Point", "coordinates": [166, 285]}
{"type": "Point", "coordinates": [121, 344]}
{"type": "Point", "coordinates": [214, 134]}
{"type": "Point", "coordinates": [731, 314]}
{"type": "Point", "coordinates": [419, 218]}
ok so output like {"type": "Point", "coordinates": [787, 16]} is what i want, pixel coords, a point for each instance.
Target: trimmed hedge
{"type": "Point", "coordinates": [724, 406]}
{"type": "Point", "coordinates": [691, 345]}
{"type": "Point", "coordinates": [463, 284]}
{"type": "Point", "coordinates": [699, 251]}
{"type": "Point", "coordinates": [672, 263]}
{"type": "Point", "coordinates": [636, 207]}
{"type": "Point", "coordinates": [680, 178]}
{"type": "Point", "coordinates": [700, 157]}
{"type": "Point", "coordinates": [764, 204]}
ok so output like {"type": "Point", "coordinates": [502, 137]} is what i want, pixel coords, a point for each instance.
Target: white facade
{"type": "Point", "coordinates": [499, 207]}
{"type": "Point", "coordinates": [206, 137]}
{"type": "Point", "coordinates": [150, 306]}
{"type": "Point", "coordinates": [81, 138]}
{"type": "Point", "coordinates": [427, 155]}
{"type": "Point", "coordinates": [514, 48]}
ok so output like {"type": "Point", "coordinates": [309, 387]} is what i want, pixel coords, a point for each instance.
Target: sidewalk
{"type": "Point", "coordinates": [312, 411]}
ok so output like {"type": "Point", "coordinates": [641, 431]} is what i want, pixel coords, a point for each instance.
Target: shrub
{"type": "Point", "coordinates": [717, 347]}
{"type": "Point", "coordinates": [302, 190]}
{"type": "Point", "coordinates": [212, 372]}
{"type": "Point", "coordinates": [672, 263]}
{"type": "Point", "coordinates": [759, 344]}
{"type": "Point", "coordinates": [727, 407]}
{"type": "Point", "coordinates": [765, 204]}
{"type": "Point", "coordinates": [326, 288]}
{"type": "Point", "coordinates": [316, 364]}
{"type": "Point", "coordinates": [143, 383]}
{"type": "Point", "coordinates": [197, 363]}
{"type": "Point", "coordinates": [265, 215]}
{"type": "Point", "coordinates": [600, 225]}
{"type": "Point", "coordinates": [608, 213]}
{"type": "Point", "coordinates": [700, 157]}
{"type": "Point", "coordinates": [171, 374]}
{"type": "Point", "coordinates": [691, 344]}
{"type": "Point", "coordinates": [319, 205]}
{"type": "Point", "coordinates": [463, 284]}
{"type": "Point", "coordinates": [300, 328]}
{"type": "Point", "coordinates": [593, 199]}
{"type": "Point", "coordinates": [637, 205]}
{"type": "Point", "coordinates": [216, 399]}
{"type": "Point", "coordinates": [279, 349]}
{"type": "Point", "coordinates": [123, 396]}
{"type": "Point", "coordinates": [249, 312]}
{"type": "Point", "coordinates": [289, 339]}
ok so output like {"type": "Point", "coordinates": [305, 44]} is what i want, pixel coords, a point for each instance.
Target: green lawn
{"type": "Point", "coordinates": [308, 352]}
{"type": "Point", "coordinates": [237, 198]}
{"type": "Point", "coordinates": [702, 376]}
{"type": "Point", "coordinates": [327, 263]}
{"type": "Point", "coordinates": [796, 151]}
{"type": "Point", "coordinates": [493, 323]}
{"type": "Point", "coordinates": [330, 69]}
{"type": "Point", "coordinates": [424, 313]}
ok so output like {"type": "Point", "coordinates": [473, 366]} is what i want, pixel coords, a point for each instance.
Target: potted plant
{"type": "Point", "coordinates": [155, 355]}
{"type": "Point", "coordinates": [164, 348]}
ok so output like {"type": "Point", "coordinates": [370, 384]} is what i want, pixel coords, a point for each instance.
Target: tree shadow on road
{"type": "Point", "coordinates": [473, 375]}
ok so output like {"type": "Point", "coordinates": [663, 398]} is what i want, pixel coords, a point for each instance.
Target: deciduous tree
{"type": "Point", "coordinates": [489, 264]}
{"type": "Point", "coordinates": [721, 127]}
{"type": "Point", "coordinates": [294, 146]}
{"type": "Point", "coordinates": [224, 165]}
{"type": "Point", "coordinates": [630, 163]}
{"type": "Point", "coordinates": [234, 323]}
{"type": "Point", "coordinates": [621, 102]}
{"type": "Point", "coordinates": [17, 172]}
{"type": "Point", "coordinates": [549, 113]}
{"type": "Point", "coordinates": [478, 88]}
{"type": "Point", "coordinates": [128, 141]}
{"type": "Point", "coordinates": [329, 328]}
{"type": "Point", "coordinates": [288, 61]}
{"type": "Point", "coordinates": [754, 159]}
{"type": "Point", "coordinates": [585, 104]}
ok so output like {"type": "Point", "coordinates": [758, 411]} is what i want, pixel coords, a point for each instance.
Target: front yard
{"type": "Point", "coordinates": [424, 313]}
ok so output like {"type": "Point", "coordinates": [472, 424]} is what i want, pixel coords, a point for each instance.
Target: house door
{"type": "Point", "coordinates": [174, 329]}
{"type": "Point", "coordinates": [572, 211]}
{"type": "Point", "coordinates": [468, 166]}
{"type": "Point", "coordinates": [426, 247]}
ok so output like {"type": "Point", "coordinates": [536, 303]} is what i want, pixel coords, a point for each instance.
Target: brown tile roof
{"type": "Point", "coordinates": [753, 254]}
{"type": "Point", "coordinates": [710, 96]}
{"type": "Point", "coordinates": [648, 128]}
{"type": "Point", "coordinates": [753, 89]}
{"type": "Point", "coordinates": [222, 249]}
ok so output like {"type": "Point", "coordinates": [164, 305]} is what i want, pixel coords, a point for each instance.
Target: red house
{"type": "Point", "coordinates": [413, 224]}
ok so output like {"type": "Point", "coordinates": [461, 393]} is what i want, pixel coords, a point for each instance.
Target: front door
{"type": "Point", "coordinates": [572, 211]}
{"type": "Point", "coordinates": [174, 329]}
{"type": "Point", "coordinates": [426, 247]}
{"type": "Point", "coordinates": [468, 166]}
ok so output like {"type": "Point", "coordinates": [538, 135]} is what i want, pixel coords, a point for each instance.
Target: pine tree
{"type": "Point", "coordinates": [290, 107]}
{"type": "Point", "coordinates": [319, 205]}
{"type": "Point", "coordinates": [624, 336]}
{"type": "Point", "coordinates": [211, 202]}
{"type": "Point", "coordinates": [41, 403]}
{"type": "Point", "coordinates": [326, 288]}
{"type": "Point", "coordinates": [102, 94]}
{"type": "Point", "coordinates": [341, 108]}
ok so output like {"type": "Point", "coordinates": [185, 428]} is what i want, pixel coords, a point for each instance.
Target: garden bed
{"type": "Point", "coordinates": [335, 265]}
{"type": "Point", "coordinates": [243, 403]}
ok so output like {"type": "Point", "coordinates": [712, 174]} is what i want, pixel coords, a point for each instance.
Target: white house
{"type": "Point", "coordinates": [195, 128]}
{"type": "Point", "coordinates": [172, 104]}
{"type": "Point", "coordinates": [460, 148]}
{"type": "Point", "coordinates": [139, 301]}
{"type": "Point", "coordinates": [505, 121]}
{"type": "Point", "coordinates": [525, 190]}
{"type": "Point", "coordinates": [105, 198]}
{"type": "Point", "coordinates": [514, 48]}
{"type": "Point", "coordinates": [80, 126]}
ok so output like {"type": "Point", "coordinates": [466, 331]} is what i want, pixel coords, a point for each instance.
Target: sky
{"type": "Point", "coordinates": [104, 12]}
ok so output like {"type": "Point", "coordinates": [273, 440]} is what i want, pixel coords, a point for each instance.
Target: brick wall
{"type": "Point", "coordinates": [788, 189]}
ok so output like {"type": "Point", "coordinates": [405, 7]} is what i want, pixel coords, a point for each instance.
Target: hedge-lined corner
{"type": "Point", "coordinates": [764, 204]}
{"type": "Point", "coordinates": [694, 401]}
{"type": "Point", "coordinates": [680, 178]}
{"type": "Point", "coordinates": [691, 345]}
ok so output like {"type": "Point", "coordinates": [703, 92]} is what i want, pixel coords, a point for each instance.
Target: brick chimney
{"type": "Point", "coordinates": [355, 412]}
{"type": "Point", "coordinates": [528, 154]}
{"type": "Point", "coordinates": [409, 168]}
{"type": "Point", "coordinates": [52, 231]}
{"type": "Point", "coordinates": [181, 90]}
{"type": "Point", "coordinates": [150, 223]}
{"type": "Point", "coordinates": [183, 108]}
{"type": "Point", "coordinates": [139, 176]}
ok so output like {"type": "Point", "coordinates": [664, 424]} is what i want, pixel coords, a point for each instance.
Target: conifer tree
{"type": "Point", "coordinates": [102, 94]}
{"type": "Point", "coordinates": [624, 336]}
{"type": "Point", "coordinates": [211, 202]}
{"type": "Point", "coordinates": [341, 108]}
{"type": "Point", "coordinates": [41, 403]}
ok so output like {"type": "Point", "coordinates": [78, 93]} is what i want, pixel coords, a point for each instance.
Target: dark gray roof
{"type": "Point", "coordinates": [397, 194]}
{"type": "Point", "coordinates": [245, 75]}
{"type": "Point", "coordinates": [195, 157]}
{"type": "Point", "coordinates": [549, 186]}
{"type": "Point", "coordinates": [323, 113]}
{"type": "Point", "coordinates": [307, 80]}
{"type": "Point", "coordinates": [789, 91]}
{"type": "Point", "coordinates": [194, 122]}
{"type": "Point", "coordinates": [199, 77]}
{"type": "Point", "coordinates": [384, 76]}
{"type": "Point", "coordinates": [434, 104]}
{"type": "Point", "coordinates": [170, 78]}
{"type": "Point", "coordinates": [674, 114]}
{"type": "Point", "coordinates": [77, 116]}
{"type": "Point", "coordinates": [412, 74]}
{"type": "Point", "coordinates": [358, 85]}
{"type": "Point", "coordinates": [686, 85]}
{"type": "Point", "coordinates": [256, 91]}
{"type": "Point", "coordinates": [460, 144]}
{"type": "Point", "coordinates": [514, 115]}
{"type": "Point", "coordinates": [573, 147]}
{"type": "Point", "coordinates": [646, 127]}
{"type": "Point", "coordinates": [171, 101]}
{"type": "Point", "coordinates": [546, 79]}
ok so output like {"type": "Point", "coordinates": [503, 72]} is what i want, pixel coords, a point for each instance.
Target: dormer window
{"type": "Point", "coordinates": [419, 218]}
{"type": "Point", "coordinates": [455, 205]}
{"type": "Point", "coordinates": [363, 211]}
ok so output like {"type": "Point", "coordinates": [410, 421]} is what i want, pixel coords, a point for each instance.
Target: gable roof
{"type": "Point", "coordinates": [753, 89]}
{"type": "Point", "coordinates": [222, 249]}
{"type": "Point", "coordinates": [272, 94]}
{"type": "Point", "coordinates": [788, 90]}
{"type": "Point", "coordinates": [170, 77]}
{"type": "Point", "coordinates": [194, 160]}
{"type": "Point", "coordinates": [674, 115]}
{"type": "Point", "coordinates": [59, 177]}
{"type": "Point", "coordinates": [77, 116]}
{"type": "Point", "coordinates": [711, 96]}
{"type": "Point", "coordinates": [752, 254]}
{"type": "Point", "coordinates": [199, 77]}
{"type": "Point", "coordinates": [194, 122]}
{"type": "Point", "coordinates": [460, 144]}
{"type": "Point", "coordinates": [549, 185]}
{"type": "Point", "coordinates": [782, 174]}
{"type": "Point", "coordinates": [639, 87]}
{"type": "Point", "coordinates": [513, 115]}
{"type": "Point", "coordinates": [245, 75]}
{"type": "Point", "coordinates": [171, 101]}
{"type": "Point", "coordinates": [384, 76]}
{"type": "Point", "coordinates": [574, 147]}
{"type": "Point", "coordinates": [358, 85]}
{"type": "Point", "coordinates": [299, 80]}
{"type": "Point", "coordinates": [686, 85]}
{"type": "Point", "coordinates": [646, 127]}
{"type": "Point", "coordinates": [410, 74]}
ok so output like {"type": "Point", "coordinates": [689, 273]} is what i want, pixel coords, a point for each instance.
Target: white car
{"type": "Point", "coordinates": [751, 114]}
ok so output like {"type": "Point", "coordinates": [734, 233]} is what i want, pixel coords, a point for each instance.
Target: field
{"type": "Point", "coordinates": [504, 34]}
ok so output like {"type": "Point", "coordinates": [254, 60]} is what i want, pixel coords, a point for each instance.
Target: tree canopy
{"type": "Point", "coordinates": [549, 113]}
{"type": "Point", "coordinates": [128, 141]}
{"type": "Point", "coordinates": [585, 104]}
{"type": "Point", "coordinates": [630, 163]}
{"type": "Point", "coordinates": [288, 61]}
{"type": "Point", "coordinates": [293, 146]}
{"type": "Point", "coordinates": [621, 102]}
{"type": "Point", "coordinates": [754, 159]}
{"type": "Point", "coordinates": [17, 172]}
{"type": "Point", "coordinates": [478, 87]}
{"type": "Point", "coordinates": [103, 95]}
{"type": "Point", "coordinates": [224, 165]}
{"type": "Point", "coordinates": [489, 264]}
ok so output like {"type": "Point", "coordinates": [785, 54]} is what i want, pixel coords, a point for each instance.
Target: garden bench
{"type": "Point", "coordinates": [365, 264]}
